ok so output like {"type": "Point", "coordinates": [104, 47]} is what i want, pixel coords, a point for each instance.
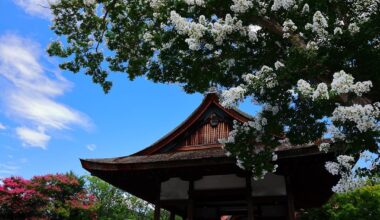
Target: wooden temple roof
{"type": "Point", "coordinates": [193, 140]}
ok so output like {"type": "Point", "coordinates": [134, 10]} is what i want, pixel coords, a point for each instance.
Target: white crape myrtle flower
{"type": "Point", "coordinates": [364, 9]}
{"type": "Point", "coordinates": [239, 163]}
{"type": "Point", "coordinates": [271, 108]}
{"type": "Point", "coordinates": [267, 77]}
{"type": "Point", "coordinates": [353, 28]}
{"type": "Point", "coordinates": [305, 9]}
{"type": "Point", "coordinates": [348, 183]}
{"type": "Point", "coordinates": [156, 4]}
{"type": "Point", "coordinates": [333, 168]}
{"type": "Point", "coordinates": [241, 6]}
{"type": "Point", "coordinates": [274, 156]}
{"type": "Point", "coordinates": [147, 37]}
{"type": "Point", "coordinates": [312, 45]}
{"type": "Point", "coordinates": [344, 83]}
{"type": "Point", "coordinates": [319, 25]}
{"type": "Point", "coordinates": [304, 88]}
{"type": "Point", "coordinates": [232, 96]}
{"type": "Point", "coordinates": [324, 147]}
{"type": "Point", "coordinates": [288, 27]}
{"type": "Point", "coordinates": [221, 28]}
{"type": "Point", "coordinates": [252, 32]}
{"type": "Point", "coordinates": [195, 2]}
{"type": "Point", "coordinates": [278, 65]}
{"type": "Point", "coordinates": [365, 117]}
{"type": "Point", "coordinates": [285, 4]}
{"type": "Point", "coordinates": [346, 161]}
{"type": "Point", "coordinates": [89, 2]}
{"type": "Point", "coordinates": [194, 30]}
{"type": "Point", "coordinates": [362, 87]}
{"type": "Point", "coordinates": [338, 30]}
{"type": "Point", "coordinates": [321, 92]}
{"type": "Point", "coordinates": [344, 167]}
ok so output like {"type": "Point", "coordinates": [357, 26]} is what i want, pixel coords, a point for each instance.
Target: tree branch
{"type": "Point", "coordinates": [275, 28]}
{"type": "Point", "coordinates": [104, 23]}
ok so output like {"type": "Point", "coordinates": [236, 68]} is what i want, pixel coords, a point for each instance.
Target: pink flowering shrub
{"type": "Point", "coordinates": [58, 196]}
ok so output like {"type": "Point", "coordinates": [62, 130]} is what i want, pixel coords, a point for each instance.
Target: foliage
{"type": "Point", "coordinates": [59, 196]}
{"type": "Point", "coordinates": [311, 65]}
{"type": "Point", "coordinates": [360, 204]}
{"type": "Point", "coordinates": [113, 203]}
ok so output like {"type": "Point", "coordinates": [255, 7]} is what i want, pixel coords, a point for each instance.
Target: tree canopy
{"type": "Point", "coordinates": [114, 204]}
{"type": "Point", "coordinates": [58, 196]}
{"type": "Point", "coordinates": [362, 203]}
{"type": "Point", "coordinates": [311, 65]}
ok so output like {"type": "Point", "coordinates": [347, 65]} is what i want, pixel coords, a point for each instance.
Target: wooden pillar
{"type": "Point", "coordinates": [249, 197]}
{"type": "Point", "coordinates": [172, 216]}
{"type": "Point", "coordinates": [157, 205]}
{"type": "Point", "coordinates": [157, 211]}
{"type": "Point", "coordinates": [190, 205]}
{"type": "Point", "coordinates": [290, 199]}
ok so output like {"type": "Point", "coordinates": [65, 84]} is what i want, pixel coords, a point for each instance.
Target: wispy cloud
{"type": "Point", "coordinates": [2, 126]}
{"type": "Point", "coordinates": [6, 169]}
{"type": "Point", "coordinates": [91, 147]}
{"type": "Point", "coordinates": [33, 138]}
{"type": "Point", "coordinates": [39, 8]}
{"type": "Point", "coordinates": [30, 91]}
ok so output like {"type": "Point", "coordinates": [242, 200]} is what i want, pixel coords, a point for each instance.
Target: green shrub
{"type": "Point", "coordinates": [361, 204]}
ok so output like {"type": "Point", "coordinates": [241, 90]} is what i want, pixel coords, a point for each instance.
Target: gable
{"type": "Point", "coordinates": [201, 130]}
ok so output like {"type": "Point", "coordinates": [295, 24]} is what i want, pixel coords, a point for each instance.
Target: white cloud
{"type": "Point", "coordinates": [39, 8]}
{"type": "Point", "coordinates": [2, 126]}
{"type": "Point", "coordinates": [33, 138]}
{"type": "Point", "coordinates": [91, 147]}
{"type": "Point", "coordinates": [29, 92]}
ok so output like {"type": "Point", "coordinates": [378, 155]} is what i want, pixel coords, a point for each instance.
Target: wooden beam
{"type": "Point", "coordinates": [190, 205]}
{"type": "Point", "coordinates": [249, 197]}
{"type": "Point", "coordinates": [290, 198]}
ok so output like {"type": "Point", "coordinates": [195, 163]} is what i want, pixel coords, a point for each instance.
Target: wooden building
{"type": "Point", "coordinates": [187, 173]}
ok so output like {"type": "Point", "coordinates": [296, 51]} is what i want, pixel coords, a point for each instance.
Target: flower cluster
{"type": "Point", "coordinates": [344, 83]}
{"type": "Point", "coordinates": [195, 2]}
{"type": "Point", "coordinates": [285, 4]}
{"type": "Point", "coordinates": [319, 26]}
{"type": "Point", "coordinates": [364, 117]}
{"type": "Point", "coordinates": [263, 79]}
{"type": "Point", "coordinates": [252, 155]}
{"type": "Point", "coordinates": [194, 30]}
{"type": "Point", "coordinates": [219, 29]}
{"type": "Point", "coordinates": [343, 167]}
{"type": "Point", "coordinates": [231, 97]}
{"type": "Point", "coordinates": [241, 6]}
{"type": "Point", "coordinates": [288, 27]}
{"type": "Point", "coordinates": [324, 147]}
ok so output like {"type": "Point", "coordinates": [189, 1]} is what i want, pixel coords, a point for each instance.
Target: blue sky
{"type": "Point", "coordinates": [50, 118]}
